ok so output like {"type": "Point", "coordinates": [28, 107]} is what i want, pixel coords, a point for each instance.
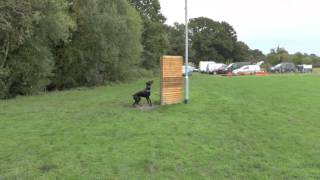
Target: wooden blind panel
{"type": "Point", "coordinates": [171, 80]}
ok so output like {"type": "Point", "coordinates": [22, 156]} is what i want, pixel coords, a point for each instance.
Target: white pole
{"type": "Point", "coordinates": [186, 88]}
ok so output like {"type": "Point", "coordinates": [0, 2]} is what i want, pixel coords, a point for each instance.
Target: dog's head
{"type": "Point", "coordinates": [149, 83]}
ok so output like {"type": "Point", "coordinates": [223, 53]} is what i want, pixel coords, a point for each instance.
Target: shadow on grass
{"type": "Point", "coordinates": [144, 106]}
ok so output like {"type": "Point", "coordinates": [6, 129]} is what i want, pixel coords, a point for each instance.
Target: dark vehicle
{"type": "Point", "coordinates": [284, 68]}
{"type": "Point", "coordinates": [232, 67]}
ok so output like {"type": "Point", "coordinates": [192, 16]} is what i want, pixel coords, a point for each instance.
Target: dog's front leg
{"type": "Point", "coordinates": [149, 101]}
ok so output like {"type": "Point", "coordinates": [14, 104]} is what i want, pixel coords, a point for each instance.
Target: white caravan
{"type": "Point", "coordinates": [305, 68]}
{"type": "Point", "coordinates": [212, 68]}
{"type": "Point", "coordinates": [203, 65]}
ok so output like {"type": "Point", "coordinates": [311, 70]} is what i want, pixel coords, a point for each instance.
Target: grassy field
{"type": "Point", "coordinates": [316, 70]}
{"type": "Point", "coordinates": [234, 128]}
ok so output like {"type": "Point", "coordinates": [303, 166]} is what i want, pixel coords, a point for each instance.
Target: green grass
{"type": "Point", "coordinates": [316, 70]}
{"type": "Point", "coordinates": [234, 128]}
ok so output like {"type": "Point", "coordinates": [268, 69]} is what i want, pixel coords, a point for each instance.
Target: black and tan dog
{"type": "Point", "coordinates": [146, 93]}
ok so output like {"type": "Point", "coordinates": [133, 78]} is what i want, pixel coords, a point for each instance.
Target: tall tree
{"type": "Point", "coordinates": [15, 27]}
{"type": "Point", "coordinates": [297, 58]}
{"type": "Point", "coordinates": [241, 52]}
{"type": "Point", "coordinates": [315, 60]}
{"type": "Point", "coordinates": [256, 56]}
{"type": "Point", "coordinates": [277, 55]}
{"type": "Point", "coordinates": [154, 36]}
{"type": "Point", "coordinates": [105, 45]}
{"type": "Point", "coordinates": [176, 36]}
{"type": "Point", "coordinates": [29, 29]}
{"type": "Point", "coordinates": [210, 40]}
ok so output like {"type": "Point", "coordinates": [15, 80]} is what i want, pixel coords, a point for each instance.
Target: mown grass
{"type": "Point", "coordinates": [234, 128]}
{"type": "Point", "coordinates": [316, 70]}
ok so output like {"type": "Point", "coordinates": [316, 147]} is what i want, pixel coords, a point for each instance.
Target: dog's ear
{"type": "Point", "coordinates": [149, 82]}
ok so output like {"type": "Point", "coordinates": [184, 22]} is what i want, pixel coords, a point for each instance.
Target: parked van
{"type": "Point", "coordinates": [203, 65]}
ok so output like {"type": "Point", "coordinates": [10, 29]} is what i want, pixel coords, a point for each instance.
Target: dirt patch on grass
{"type": "Point", "coordinates": [47, 167]}
{"type": "Point", "coordinates": [147, 107]}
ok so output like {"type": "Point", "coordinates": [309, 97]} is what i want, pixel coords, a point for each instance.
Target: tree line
{"type": "Point", "coordinates": [211, 41]}
{"type": "Point", "coordinates": [60, 44]}
{"type": "Point", "coordinates": [279, 55]}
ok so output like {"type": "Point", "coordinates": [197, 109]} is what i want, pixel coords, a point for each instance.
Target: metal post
{"type": "Point", "coordinates": [186, 88]}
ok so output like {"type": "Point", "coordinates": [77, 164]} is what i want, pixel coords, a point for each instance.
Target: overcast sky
{"type": "Point", "coordinates": [262, 24]}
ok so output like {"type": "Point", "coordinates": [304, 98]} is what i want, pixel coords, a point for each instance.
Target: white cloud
{"type": "Point", "coordinates": [262, 24]}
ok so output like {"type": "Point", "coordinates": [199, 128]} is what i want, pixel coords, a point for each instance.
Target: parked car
{"type": "Point", "coordinates": [232, 67]}
{"type": "Point", "coordinates": [203, 66]}
{"type": "Point", "coordinates": [284, 68]}
{"type": "Point", "coordinates": [213, 67]}
{"type": "Point", "coordinates": [249, 69]}
{"type": "Point", "coordinates": [305, 68]}
{"type": "Point", "coordinates": [196, 70]}
{"type": "Point", "coordinates": [190, 70]}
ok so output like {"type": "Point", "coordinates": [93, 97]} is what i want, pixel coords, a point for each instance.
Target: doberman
{"type": "Point", "coordinates": [143, 94]}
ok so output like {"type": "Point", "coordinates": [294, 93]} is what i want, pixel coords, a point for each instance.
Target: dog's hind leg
{"type": "Point", "coordinates": [136, 100]}
{"type": "Point", "coordinates": [149, 101]}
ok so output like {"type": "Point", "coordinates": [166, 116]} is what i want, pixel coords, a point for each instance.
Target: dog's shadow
{"type": "Point", "coordinates": [144, 106]}
{"type": "Point", "coordinates": [147, 107]}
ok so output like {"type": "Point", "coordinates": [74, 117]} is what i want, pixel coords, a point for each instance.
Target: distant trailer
{"type": "Point", "coordinates": [305, 68]}
{"type": "Point", "coordinates": [203, 65]}
{"type": "Point", "coordinates": [213, 67]}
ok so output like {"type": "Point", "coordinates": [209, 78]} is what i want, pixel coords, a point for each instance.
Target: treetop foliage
{"type": "Point", "coordinates": [150, 10]}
